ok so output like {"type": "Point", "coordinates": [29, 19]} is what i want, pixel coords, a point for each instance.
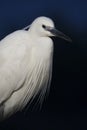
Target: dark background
{"type": "Point", "coordinates": [66, 106]}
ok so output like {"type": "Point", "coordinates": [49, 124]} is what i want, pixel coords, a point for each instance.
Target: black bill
{"type": "Point", "coordinates": [59, 34]}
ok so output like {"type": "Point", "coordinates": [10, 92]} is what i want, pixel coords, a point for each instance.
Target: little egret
{"type": "Point", "coordinates": [26, 65]}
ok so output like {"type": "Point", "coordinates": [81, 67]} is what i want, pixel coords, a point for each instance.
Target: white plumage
{"type": "Point", "coordinates": [25, 65]}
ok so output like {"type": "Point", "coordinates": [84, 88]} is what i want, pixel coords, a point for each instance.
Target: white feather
{"type": "Point", "coordinates": [25, 69]}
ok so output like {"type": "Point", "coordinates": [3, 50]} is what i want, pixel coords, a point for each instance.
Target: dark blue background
{"type": "Point", "coordinates": [66, 106]}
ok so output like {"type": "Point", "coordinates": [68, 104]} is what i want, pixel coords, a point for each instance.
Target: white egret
{"type": "Point", "coordinates": [26, 65]}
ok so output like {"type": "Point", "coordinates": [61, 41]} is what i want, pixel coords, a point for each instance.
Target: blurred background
{"type": "Point", "coordinates": [66, 106]}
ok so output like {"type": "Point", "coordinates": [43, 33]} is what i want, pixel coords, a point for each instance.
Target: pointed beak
{"type": "Point", "coordinates": [59, 34]}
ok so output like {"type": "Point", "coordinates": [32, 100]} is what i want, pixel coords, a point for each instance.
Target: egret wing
{"type": "Point", "coordinates": [13, 53]}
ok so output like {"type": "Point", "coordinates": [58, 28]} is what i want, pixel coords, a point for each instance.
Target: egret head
{"type": "Point", "coordinates": [44, 27]}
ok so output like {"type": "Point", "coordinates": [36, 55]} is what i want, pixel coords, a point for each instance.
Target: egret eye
{"type": "Point", "coordinates": [44, 26]}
